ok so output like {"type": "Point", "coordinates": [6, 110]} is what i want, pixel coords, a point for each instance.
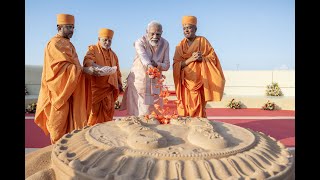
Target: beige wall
{"type": "Point", "coordinates": [237, 82]}
{"type": "Point", "coordinates": [33, 78]}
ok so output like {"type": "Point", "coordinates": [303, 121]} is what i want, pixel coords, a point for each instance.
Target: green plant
{"type": "Point", "coordinates": [31, 108]}
{"type": "Point", "coordinates": [273, 90]}
{"type": "Point", "coordinates": [269, 106]}
{"type": "Point", "coordinates": [234, 104]}
{"type": "Point", "coordinates": [25, 90]}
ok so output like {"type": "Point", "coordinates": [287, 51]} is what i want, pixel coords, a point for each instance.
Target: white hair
{"type": "Point", "coordinates": [154, 23]}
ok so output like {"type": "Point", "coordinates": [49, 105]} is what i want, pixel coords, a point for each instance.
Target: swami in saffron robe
{"type": "Point", "coordinates": [105, 90]}
{"type": "Point", "coordinates": [198, 82]}
{"type": "Point", "coordinates": [61, 106]}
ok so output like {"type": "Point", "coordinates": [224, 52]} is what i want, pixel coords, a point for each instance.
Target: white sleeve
{"type": "Point", "coordinates": [141, 51]}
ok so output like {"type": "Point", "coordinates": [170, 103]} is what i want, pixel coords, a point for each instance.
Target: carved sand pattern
{"type": "Point", "coordinates": [131, 149]}
{"type": "Point", "coordinates": [140, 136]}
{"type": "Point", "coordinates": [203, 134]}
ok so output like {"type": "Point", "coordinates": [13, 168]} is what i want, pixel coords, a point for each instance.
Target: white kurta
{"type": "Point", "coordinates": [138, 98]}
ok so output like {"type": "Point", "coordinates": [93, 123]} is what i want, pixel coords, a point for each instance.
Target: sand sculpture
{"type": "Point", "coordinates": [187, 148]}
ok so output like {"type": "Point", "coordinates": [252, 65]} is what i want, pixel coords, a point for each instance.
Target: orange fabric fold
{"type": "Point", "coordinates": [61, 105]}
{"type": "Point", "coordinates": [199, 82]}
{"type": "Point", "coordinates": [104, 89]}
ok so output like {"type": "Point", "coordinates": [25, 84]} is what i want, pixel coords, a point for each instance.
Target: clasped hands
{"type": "Point", "coordinates": [197, 56]}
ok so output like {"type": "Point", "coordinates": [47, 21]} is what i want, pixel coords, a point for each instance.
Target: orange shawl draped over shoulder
{"type": "Point", "coordinates": [207, 72]}
{"type": "Point", "coordinates": [101, 87]}
{"type": "Point", "coordinates": [61, 105]}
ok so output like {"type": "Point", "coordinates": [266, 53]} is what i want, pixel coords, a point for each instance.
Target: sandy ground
{"type": "Point", "coordinates": [38, 164]}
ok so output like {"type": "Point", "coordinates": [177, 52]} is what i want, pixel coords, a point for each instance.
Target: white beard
{"type": "Point", "coordinates": [105, 47]}
{"type": "Point", "coordinates": [152, 43]}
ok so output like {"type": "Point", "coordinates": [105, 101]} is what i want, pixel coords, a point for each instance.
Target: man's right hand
{"type": "Point", "coordinates": [91, 71]}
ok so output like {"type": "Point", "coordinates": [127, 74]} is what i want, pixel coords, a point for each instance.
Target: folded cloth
{"type": "Point", "coordinates": [106, 70]}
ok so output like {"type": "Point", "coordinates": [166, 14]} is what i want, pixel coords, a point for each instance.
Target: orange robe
{"type": "Point", "coordinates": [61, 105]}
{"type": "Point", "coordinates": [105, 90]}
{"type": "Point", "coordinates": [198, 82]}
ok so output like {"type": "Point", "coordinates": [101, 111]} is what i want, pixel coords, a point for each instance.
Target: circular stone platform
{"type": "Point", "coordinates": [188, 148]}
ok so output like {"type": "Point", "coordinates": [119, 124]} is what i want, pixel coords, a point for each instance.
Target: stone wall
{"type": "Point", "coordinates": [246, 83]}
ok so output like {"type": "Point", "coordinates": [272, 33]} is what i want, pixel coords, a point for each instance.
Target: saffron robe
{"type": "Point", "coordinates": [198, 82]}
{"type": "Point", "coordinates": [104, 89]}
{"type": "Point", "coordinates": [61, 106]}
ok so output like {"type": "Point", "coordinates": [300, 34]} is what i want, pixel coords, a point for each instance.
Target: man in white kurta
{"type": "Point", "coordinates": [152, 50]}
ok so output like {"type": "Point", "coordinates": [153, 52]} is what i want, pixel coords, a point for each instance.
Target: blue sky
{"type": "Point", "coordinates": [246, 34]}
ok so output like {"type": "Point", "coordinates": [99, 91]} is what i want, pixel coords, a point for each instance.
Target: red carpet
{"type": "Point", "coordinates": [34, 136]}
{"type": "Point", "coordinates": [235, 112]}
{"type": "Point", "coordinates": [280, 129]}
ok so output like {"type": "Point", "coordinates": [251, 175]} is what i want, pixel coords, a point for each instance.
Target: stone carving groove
{"type": "Point", "coordinates": [130, 148]}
